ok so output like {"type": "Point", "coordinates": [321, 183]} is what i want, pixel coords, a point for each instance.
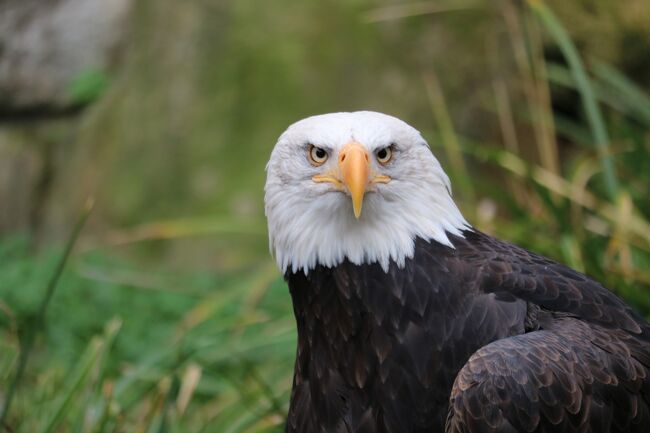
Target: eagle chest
{"type": "Point", "coordinates": [379, 346]}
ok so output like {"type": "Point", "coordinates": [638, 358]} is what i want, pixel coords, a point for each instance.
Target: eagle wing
{"type": "Point", "coordinates": [584, 367]}
{"type": "Point", "coordinates": [552, 286]}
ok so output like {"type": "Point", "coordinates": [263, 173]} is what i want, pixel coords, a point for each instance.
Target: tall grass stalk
{"type": "Point", "coordinates": [592, 111]}
{"type": "Point", "coordinates": [450, 140]}
{"type": "Point", "coordinates": [529, 61]}
{"type": "Point", "coordinates": [543, 109]}
{"type": "Point", "coordinates": [38, 321]}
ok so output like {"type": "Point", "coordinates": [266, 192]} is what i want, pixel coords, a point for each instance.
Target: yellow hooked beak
{"type": "Point", "coordinates": [354, 174]}
{"type": "Point", "coordinates": [354, 166]}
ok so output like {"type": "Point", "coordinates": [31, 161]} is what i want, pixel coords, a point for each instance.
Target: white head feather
{"type": "Point", "coordinates": [313, 223]}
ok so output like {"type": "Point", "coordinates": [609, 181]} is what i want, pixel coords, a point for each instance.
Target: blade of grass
{"type": "Point", "coordinates": [504, 113]}
{"type": "Point", "coordinates": [592, 111]}
{"type": "Point", "coordinates": [411, 9]}
{"type": "Point", "coordinates": [535, 87]}
{"type": "Point", "coordinates": [39, 320]}
{"type": "Point", "coordinates": [97, 350]}
{"type": "Point", "coordinates": [571, 253]}
{"type": "Point", "coordinates": [189, 381]}
{"type": "Point", "coordinates": [265, 388]}
{"type": "Point", "coordinates": [508, 131]}
{"type": "Point", "coordinates": [449, 137]}
{"type": "Point", "coordinates": [103, 420]}
{"type": "Point", "coordinates": [543, 110]}
{"type": "Point", "coordinates": [99, 376]}
{"type": "Point", "coordinates": [630, 94]}
{"type": "Point", "coordinates": [580, 177]}
{"type": "Point", "coordinates": [180, 228]}
{"type": "Point", "coordinates": [611, 88]}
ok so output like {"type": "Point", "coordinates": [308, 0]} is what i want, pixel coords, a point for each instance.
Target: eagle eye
{"type": "Point", "coordinates": [384, 155]}
{"type": "Point", "coordinates": [317, 155]}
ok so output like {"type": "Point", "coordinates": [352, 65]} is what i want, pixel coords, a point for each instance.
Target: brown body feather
{"type": "Point", "coordinates": [486, 337]}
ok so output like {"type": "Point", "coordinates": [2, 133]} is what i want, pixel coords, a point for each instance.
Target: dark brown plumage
{"type": "Point", "coordinates": [486, 337]}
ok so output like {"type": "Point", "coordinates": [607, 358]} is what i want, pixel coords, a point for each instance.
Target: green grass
{"type": "Point", "coordinates": [128, 355]}
{"type": "Point", "coordinates": [151, 346]}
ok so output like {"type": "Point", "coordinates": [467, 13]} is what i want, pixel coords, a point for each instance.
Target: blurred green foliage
{"type": "Point", "coordinates": [87, 87]}
{"type": "Point", "coordinates": [234, 331]}
{"type": "Point", "coordinates": [168, 320]}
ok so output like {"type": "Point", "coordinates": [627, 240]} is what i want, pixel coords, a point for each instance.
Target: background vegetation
{"type": "Point", "coordinates": [169, 315]}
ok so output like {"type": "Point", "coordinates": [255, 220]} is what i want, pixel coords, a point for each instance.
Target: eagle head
{"type": "Point", "coordinates": [358, 186]}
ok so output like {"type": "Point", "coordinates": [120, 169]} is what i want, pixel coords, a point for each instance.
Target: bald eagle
{"type": "Point", "coordinates": [411, 320]}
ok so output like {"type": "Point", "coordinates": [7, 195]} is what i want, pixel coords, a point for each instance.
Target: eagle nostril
{"type": "Point", "coordinates": [343, 157]}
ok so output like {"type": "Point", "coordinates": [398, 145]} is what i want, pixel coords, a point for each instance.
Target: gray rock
{"type": "Point", "coordinates": [45, 45]}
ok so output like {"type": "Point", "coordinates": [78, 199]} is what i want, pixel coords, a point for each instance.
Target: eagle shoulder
{"type": "Point", "coordinates": [507, 269]}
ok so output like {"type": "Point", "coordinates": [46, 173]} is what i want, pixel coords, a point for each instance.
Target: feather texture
{"type": "Point", "coordinates": [482, 337]}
